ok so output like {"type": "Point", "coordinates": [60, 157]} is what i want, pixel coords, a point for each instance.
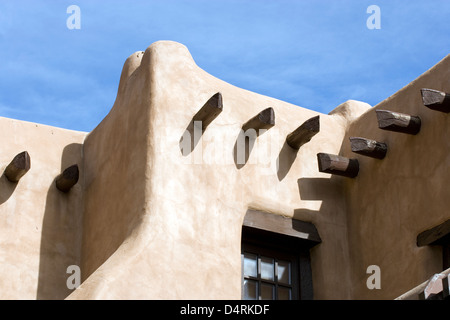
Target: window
{"type": "Point", "coordinates": [269, 274]}
{"type": "Point", "coordinates": [439, 235]}
{"type": "Point", "coordinates": [275, 257]}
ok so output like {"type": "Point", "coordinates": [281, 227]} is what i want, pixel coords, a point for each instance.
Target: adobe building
{"type": "Point", "coordinates": [192, 188]}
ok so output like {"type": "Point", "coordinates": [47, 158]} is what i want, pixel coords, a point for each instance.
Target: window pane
{"type": "Point", "coordinates": [250, 290]}
{"type": "Point", "coordinates": [284, 293]}
{"type": "Point", "coordinates": [284, 272]}
{"type": "Point", "coordinates": [267, 291]}
{"type": "Point", "coordinates": [250, 265]}
{"type": "Point", "coordinates": [267, 268]}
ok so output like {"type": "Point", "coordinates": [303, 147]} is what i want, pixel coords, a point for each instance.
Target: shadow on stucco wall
{"type": "Point", "coordinates": [330, 220]}
{"type": "Point", "coordinates": [6, 188]}
{"type": "Point", "coordinates": [243, 148]}
{"type": "Point", "coordinates": [190, 138]}
{"type": "Point", "coordinates": [61, 232]}
{"type": "Point", "coordinates": [285, 160]}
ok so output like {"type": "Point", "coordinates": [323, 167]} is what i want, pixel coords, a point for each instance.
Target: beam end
{"type": "Point", "coordinates": [304, 133]}
{"type": "Point", "coordinates": [368, 147]}
{"type": "Point", "coordinates": [210, 110]}
{"type": "Point", "coordinates": [67, 179]}
{"type": "Point", "coordinates": [398, 122]}
{"type": "Point", "coordinates": [337, 165]}
{"type": "Point", "coordinates": [18, 167]}
{"type": "Point", "coordinates": [262, 121]}
{"type": "Point", "coordinates": [436, 100]}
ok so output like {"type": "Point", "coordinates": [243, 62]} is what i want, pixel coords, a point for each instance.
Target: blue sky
{"type": "Point", "coordinates": [315, 54]}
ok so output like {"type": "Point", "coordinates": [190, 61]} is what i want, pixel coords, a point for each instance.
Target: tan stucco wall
{"type": "Point", "coordinates": [394, 199]}
{"type": "Point", "coordinates": [146, 221]}
{"type": "Point", "coordinates": [176, 224]}
{"type": "Point", "coordinates": [40, 227]}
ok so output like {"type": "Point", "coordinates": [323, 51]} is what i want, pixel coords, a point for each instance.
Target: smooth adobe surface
{"type": "Point", "coordinates": [174, 231]}
{"type": "Point", "coordinates": [40, 228]}
{"type": "Point", "coordinates": [396, 199]}
{"type": "Point", "coordinates": [158, 209]}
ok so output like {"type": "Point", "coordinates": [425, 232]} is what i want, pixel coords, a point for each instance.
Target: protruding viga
{"type": "Point", "coordinates": [334, 164]}
{"type": "Point", "coordinates": [304, 133]}
{"type": "Point", "coordinates": [436, 100]}
{"type": "Point", "coordinates": [398, 122]}
{"type": "Point", "coordinates": [368, 147]}
{"type": "Point", "coordinates": [263, 120]}
{"type": "Point", "coordinates": [210, 110]}
{"type": "Point", "coordinates": [68, 178]}
{"type": "Point", "coordinates": [18, 167]}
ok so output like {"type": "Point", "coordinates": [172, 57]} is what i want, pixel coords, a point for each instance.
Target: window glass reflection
{"type": "Point", "coordinates": [284, 272]}
{"type": "Point", "coordinates": [250, 289]}
{"type": "Point", "coordinates": [284, 293]}
{"type": "Point", "coordinates": [267, 268]}
{"type": "Point", "coordinates": [250, 265]}
{"type": "Point", "coordinates": [267, 291]}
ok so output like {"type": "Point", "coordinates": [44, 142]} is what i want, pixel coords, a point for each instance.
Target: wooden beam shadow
{"type": "Point", "coordinates": [248, 134]}
{"type": "Point", "coordinates": [210, 110]}
{"type": "Point", "coordinates": [243, 147]}
{"type": "Point", "coordinates": [199, 122]}
{"type": "Point", "coordinates": [294, 141]}
{"type": "Point", "coordinates": [316, 189]}
{"type": "Point", "coordinates": [6, 188]}
{"type": "Point", "coordinates": [303, 213]}
{"type": "Point", "coordinates": [262, 122]}
{"type": "Point", "coordinates": [303, 133]}
{"type": "Point", "coordinates": [285, 160]}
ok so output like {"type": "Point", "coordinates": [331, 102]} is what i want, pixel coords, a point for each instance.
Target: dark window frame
{"type": "Point", "coordinates": [270, 234]}
{"type": "Point", "coordinates": [276, 283]}
{"type": "Point", "coordinates": [277, 253]}
{"type": "Point", "coordinates": [446, 256]}
{"type": "Point", "coordinates": [440, 236]}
